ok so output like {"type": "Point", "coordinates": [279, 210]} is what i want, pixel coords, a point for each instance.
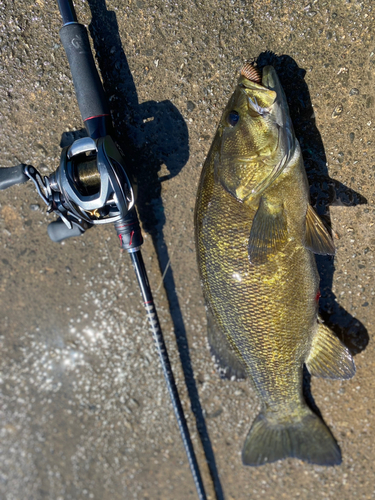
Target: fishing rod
{"type": "Point", "coordinates": [93, 185]}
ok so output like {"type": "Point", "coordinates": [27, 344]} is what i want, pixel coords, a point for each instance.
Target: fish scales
{"type": "Point", "coordinates": [252, 293]}
{"type": "Point", "coordinates": [255, 244]}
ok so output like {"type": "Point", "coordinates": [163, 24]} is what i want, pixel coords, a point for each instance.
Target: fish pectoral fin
{"type": "Point", "coordinates": [305, 437]}
{"type": "Point", "coordinates": [226, 360]}
{"type": "Point", "coordinates": [268, 233]}
{"type": "Point", "coordinates": [328, 357]}
{"type": "Point", "coordinates": [317, 237]}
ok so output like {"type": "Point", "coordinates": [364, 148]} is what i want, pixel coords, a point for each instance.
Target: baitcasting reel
{"type": "Point", "coordinates": [91, 186]}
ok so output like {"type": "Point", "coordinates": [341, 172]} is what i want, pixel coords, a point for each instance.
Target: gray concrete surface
{"type": "Point", "coordinates": [84, 410]}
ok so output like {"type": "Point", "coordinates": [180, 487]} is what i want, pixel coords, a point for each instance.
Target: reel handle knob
{"type": "Point", "coordinates": [12, 175]}
{"type": "Point", "coordinates": [58, 231]}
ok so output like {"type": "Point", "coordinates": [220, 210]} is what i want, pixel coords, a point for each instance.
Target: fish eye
{"type": "Point", "coordinates": [233, 118]}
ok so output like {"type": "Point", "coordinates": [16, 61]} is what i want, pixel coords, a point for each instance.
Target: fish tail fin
{"type": "Point", "coordinates": [306, 438]}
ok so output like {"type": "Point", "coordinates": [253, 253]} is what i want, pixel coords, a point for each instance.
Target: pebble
{"type": "Point", "coordinates": [337, 111]}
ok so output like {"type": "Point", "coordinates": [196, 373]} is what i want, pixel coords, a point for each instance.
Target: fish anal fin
{"type": "Point", "coordinates": [268, 232]}
{"type": "Point", "coordinates": [226, 360]}
{"type": "Point", "coordinates": [306, 438]}
{"type": "Point", "coordinates": [317, 237]}
{"type": "Point", "coordinates": [328, 357]}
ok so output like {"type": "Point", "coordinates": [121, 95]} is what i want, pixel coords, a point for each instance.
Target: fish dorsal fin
{"type": "Point", "coordinates": [227, 362]}
{"type": "Point", "coordinates": [328, 357]}
{"type": "Point", "coordinates": [268, 232]}
{"type": "Point", "coordinates": [317, 238]}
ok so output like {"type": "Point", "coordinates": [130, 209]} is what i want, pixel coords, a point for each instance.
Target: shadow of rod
{"type": "Point", "coordinates": [183, 350]}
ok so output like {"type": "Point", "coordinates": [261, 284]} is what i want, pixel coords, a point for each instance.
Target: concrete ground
{"type": "Point", "coordinates": [84, 408]}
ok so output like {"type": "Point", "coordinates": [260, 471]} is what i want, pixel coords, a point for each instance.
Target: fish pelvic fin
{"type": "Point", "coordinates": [317, 237]}
{"type": "Point", "coordinates": [328, 357]}
{"type": "Point", "coordinates": [227, 362]}
{"type": "Point", "coordinates": [306, 438]}
{"type": "Point", "coordinates": [268, 232]}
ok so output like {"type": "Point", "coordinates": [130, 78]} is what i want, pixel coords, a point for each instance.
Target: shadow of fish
{"type": "Point", "coordinates": [256, 235]}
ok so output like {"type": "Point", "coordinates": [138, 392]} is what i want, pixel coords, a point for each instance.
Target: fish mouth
{"type": "Point", "coordinates": [251, 77]}
{"type": "Point", "coordinates": [251, 83]}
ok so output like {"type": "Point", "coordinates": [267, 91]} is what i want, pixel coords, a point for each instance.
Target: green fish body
{"type": "Point", "coordinates": [256, 235]}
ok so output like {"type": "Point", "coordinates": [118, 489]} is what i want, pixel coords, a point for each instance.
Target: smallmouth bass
{"type": "Point", "coordinates": [256, 235]}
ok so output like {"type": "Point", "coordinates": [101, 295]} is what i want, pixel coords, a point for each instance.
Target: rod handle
{"type": "Point", "coordinates": [91, 98]}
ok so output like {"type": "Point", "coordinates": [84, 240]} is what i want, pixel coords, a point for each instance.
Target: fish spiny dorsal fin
{"type": "Point", "coordinates": [268, 232]}
{"type": "Point", "coordinates": [317, 238]}
{"type": "Point", "coordinates": [328, 357]}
